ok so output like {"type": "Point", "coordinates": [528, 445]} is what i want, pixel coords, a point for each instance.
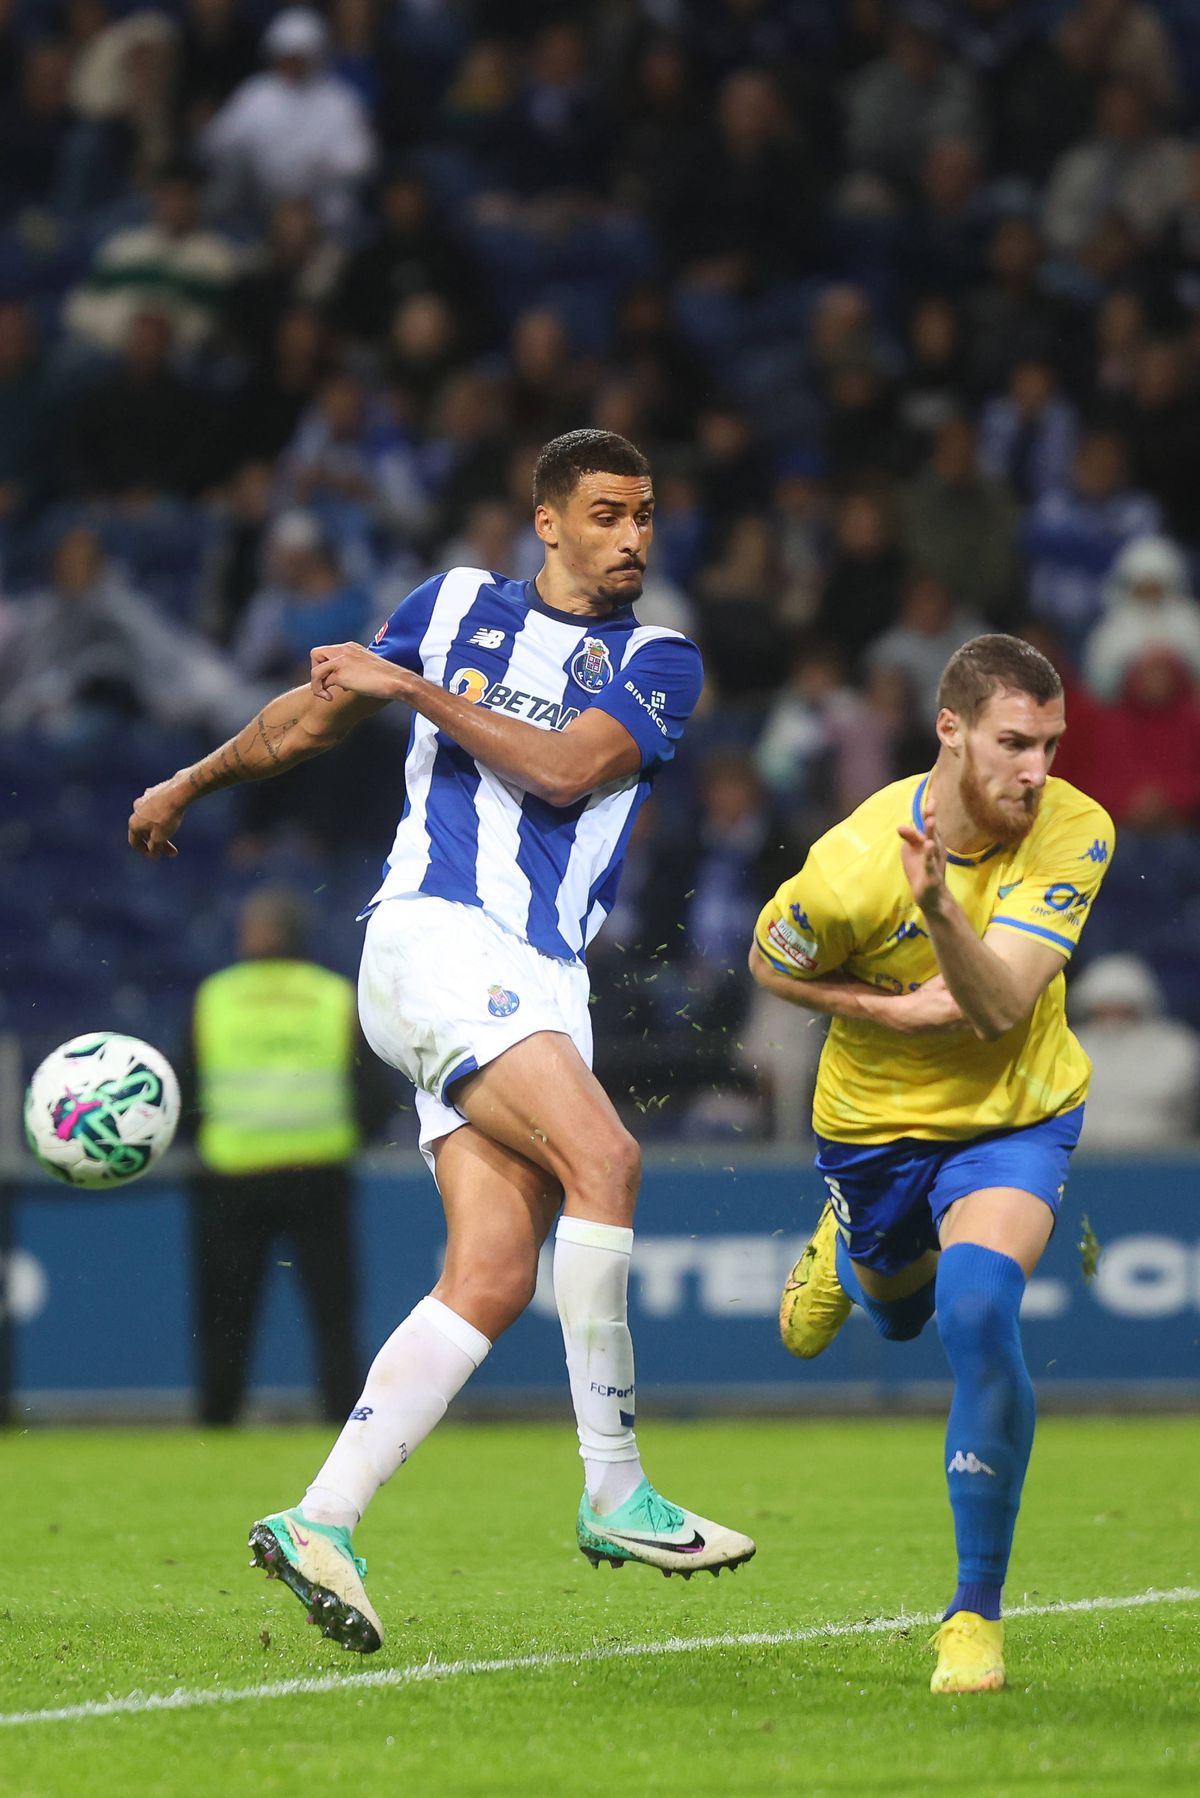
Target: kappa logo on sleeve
{"type": "Point", "coordinates": [802, 951]}
{"type": "Point", "coordinates": [1098, 853]}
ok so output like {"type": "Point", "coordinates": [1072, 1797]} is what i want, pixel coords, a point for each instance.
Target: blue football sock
{"type": "Point", "coordinates": [897, 1319]}
{"type": "Point", "coordinates": [990, 1429]}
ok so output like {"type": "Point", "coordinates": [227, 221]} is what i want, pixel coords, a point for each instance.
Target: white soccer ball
{"type": "Point", "coordinates": [101, 1109]}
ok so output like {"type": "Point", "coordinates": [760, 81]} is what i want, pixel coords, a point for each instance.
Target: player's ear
{"type": "Point", "coordinates": [546, 525]}
{"type": "Point", "coordinates": [949, 728]}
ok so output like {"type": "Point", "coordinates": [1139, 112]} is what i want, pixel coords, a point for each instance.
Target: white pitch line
{"type": "Point", "coordinates": [141, 1703]}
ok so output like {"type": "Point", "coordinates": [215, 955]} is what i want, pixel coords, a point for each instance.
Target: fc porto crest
{"type": "Point", "coordinates": [502, 1003]}
{"type": "Point", "coordinates": [591, 668]}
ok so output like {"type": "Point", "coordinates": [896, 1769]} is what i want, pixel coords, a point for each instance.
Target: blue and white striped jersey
{"type": "Point", "coordinates": [548, 873]}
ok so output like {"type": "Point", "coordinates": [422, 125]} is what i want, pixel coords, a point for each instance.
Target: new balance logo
{"type": "Point", "coordinates": [1097, 853]}
{"type": "Point", "coordinates": [969, 1463]}
{"type": "Point", "coordinates": [486, 638]}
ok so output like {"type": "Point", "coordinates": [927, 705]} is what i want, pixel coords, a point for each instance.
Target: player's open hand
{"type": "Point", "coordinates": [155, 818]}
{"type": "Point", "coordinates": [354, 669]}
{"type": "Point", "coordinates": [923, 854]}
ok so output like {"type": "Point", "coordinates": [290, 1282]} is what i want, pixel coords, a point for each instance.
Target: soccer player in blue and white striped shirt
{"type": "Point", "coordinates": [541, 712]}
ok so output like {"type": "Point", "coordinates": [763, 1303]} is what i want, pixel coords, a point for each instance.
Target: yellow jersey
{"type": "Point", "coordinates": [851, 908]}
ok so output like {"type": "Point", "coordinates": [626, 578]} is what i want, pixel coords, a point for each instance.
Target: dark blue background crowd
{"type": "Point", "coordinates": [902, 300]}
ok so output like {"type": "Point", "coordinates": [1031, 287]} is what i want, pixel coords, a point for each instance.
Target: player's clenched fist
{"type": "Point", "coordinates": [354, 669]}
{"type": "Point", "coordinates": [156, 816]}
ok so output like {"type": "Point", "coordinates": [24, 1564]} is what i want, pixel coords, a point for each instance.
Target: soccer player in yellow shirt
{"type": "Point", "coordinates": [932, 926]}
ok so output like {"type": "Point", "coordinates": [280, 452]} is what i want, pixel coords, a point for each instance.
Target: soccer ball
{"type": "Point", "coordinates": [100, 1109]}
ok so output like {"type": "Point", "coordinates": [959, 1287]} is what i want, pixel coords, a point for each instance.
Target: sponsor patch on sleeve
{"type": "Point", "coordinates": [802, 951]}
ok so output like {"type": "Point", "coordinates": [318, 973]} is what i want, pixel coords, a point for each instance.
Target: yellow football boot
{"type": "Point", "coordinates": [814, 1307]}
{"type": "Point", "coordinates": [970, 1654]}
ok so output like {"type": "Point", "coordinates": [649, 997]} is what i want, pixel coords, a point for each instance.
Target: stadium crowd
{"type": "Point", "coordinates": [902, 300]}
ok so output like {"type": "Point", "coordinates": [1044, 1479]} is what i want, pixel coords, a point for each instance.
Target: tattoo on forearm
{"type": "Point", "coordinates": [265, 735]}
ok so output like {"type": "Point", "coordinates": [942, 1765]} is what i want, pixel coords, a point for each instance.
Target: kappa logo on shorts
{"type": "Point", "coordinates": [502, 1003]}
{"type": "Point", "coordinates": [592, 668]}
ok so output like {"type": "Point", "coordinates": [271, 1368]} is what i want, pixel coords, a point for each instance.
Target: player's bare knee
{"type": "Point", "coordinates": [605, 1186]}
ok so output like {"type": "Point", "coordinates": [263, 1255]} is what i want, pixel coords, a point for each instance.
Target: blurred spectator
{"type": "Point", "coordinates": [269, 407]}
{"type": "Point", "coordinates": [306, 600]}
{"type": "Point", "coordinates": [424, 348]}
{"type": "Point", "coordinates": [22, 418]}
{"type": "Point", "coordinates": [122, 84]}
{"type": "Point", "coordinates": [1148, 605]}
{"type": "Point", "coordinates": [1027, 436]}
{"type": "Point", "coordinates": [297, 265]}
{"type": "Point", "coordinates": [931, 390]}
{"type": "Point", "coordinates": [88, 647]}
{"type": "Point", "coordinates": [1121, 328]}
{"type": "Point", "coordinates": [729, 232]}
{"type": "Point", "coordinates": [960, 524]}
{"type": "Point", "coordinates": [243, 512]}
{"type": "Point", "coordinates": [295, 131]}
{"type": "Point", "coordinates": [559, 119]}
{"type": "Point", "coordinates": [548, 383]}
{"type": "Point", "coordinates": [662, 136]}
{"type": "Point", "coordinates": [410, 252]}
{"type": "Point", "coordinates": [1144, 765]}
{"type": "Point", "coordinates": [928, 631]}
{"type": "Point", "coordinates": [943, 245]}
{"type": "Point", "coordinates": [906, 100]}
{"type": "Point", "coordinates": [1010, 315]}
{"type": "Point", "coordinates": [866, 570]}
{"type": "Point", "coordinates": [739, 608]}
{"type": "Point", "coordinates": [736, 851]}
{"type": "Point", "coordinates": [142, 431]}
{"type": "Point", "coordinates": [353, 463]}
{"type": "Point", "coordinates": [1128, 168]}
{"type": "Point", "coordinates": [800, 510]}
{"type": "Point", "coordinates": [173, 264]}
{"type": "Point", "coordinates": [217, 52]}
{"type": "Point", "coordinates": [822, 750]}
{"type": "Point", "coordinates": [36, 133]}
{"type": "Point", "coordinates": [1072, 536]}
{"type": "Point", "coordinates": [1145, 1085]}
{"type": "Point", "coordinates": [1160, 420]}
{"type": "Point", "coordinates": [863, 433]}
{"type": "Point", "coordinates": [1125, 40]}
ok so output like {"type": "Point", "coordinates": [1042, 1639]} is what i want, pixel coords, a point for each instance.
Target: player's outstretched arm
{"type": "Point", "coordinates": [558, 766]}
{"type": "Point", "coordinates": [293, 728]}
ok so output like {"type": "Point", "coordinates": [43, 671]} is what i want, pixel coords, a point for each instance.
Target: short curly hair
{"type": "Point", "coordinates": [564, 459]}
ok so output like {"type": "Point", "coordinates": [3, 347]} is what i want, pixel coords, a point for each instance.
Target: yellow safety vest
{"type": "Point", "coordinates": [274, 1053]}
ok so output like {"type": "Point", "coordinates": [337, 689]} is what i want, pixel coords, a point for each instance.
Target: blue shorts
{"type": "Point", "coordinates": [890, 1197]}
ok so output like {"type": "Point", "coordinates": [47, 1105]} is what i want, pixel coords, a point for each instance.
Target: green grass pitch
{"type": "Point", "coordinates": [125, 1573]}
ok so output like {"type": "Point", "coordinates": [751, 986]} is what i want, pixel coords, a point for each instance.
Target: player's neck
{"type": "Point", "coordinates": [960, 833]}
{"type": "Point", "coordinates": [561, 596]}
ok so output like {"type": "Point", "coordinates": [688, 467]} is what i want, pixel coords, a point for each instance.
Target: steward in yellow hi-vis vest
{"type": "Point", "coordinates": [274, 1044]}
{"type": "Point", "coordinates": [932, 926]}
{"type": "Point", "coordinates": [283, 1091]}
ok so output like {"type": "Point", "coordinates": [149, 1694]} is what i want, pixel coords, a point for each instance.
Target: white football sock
{"type": "Point", "coordinates": [421, 1367]}
{"type": "Point", "coordinates": [591, 1284]}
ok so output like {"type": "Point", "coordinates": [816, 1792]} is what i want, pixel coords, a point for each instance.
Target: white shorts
{"type": "Point", "coordinates": [443, 989]}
